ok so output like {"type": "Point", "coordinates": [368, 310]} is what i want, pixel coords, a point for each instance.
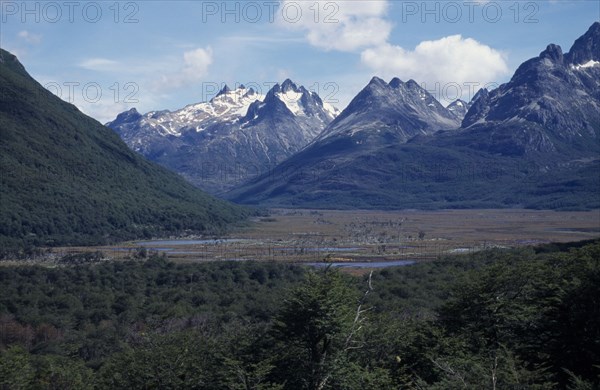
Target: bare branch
{"type": "Point", "coordinates": [358, 319]}
{"type": "Point", "coordinates": [449, 370]}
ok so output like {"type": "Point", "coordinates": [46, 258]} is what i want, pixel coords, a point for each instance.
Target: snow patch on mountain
{"type": "Point", "coordinates": [331, 110]}
{"type": "Point", "coordinates": [291, 99]}
{"type": "Point", "coordinates": [459, 108]}
{"type": "Point", "coordinates": [227, 106]}
{"type": "Point", "coordinates": [589, 64]}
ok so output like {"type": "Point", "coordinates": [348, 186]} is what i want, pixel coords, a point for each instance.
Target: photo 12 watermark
{"type": "Point", "coordinates": [69, 11]}
{"type": "Point", "coordinates": [469, 11]}
{"type": "Point", "coordinates": [93, 92]}
{"type": "Point", "coordinates": [451, 91]}
{"type": "Point", "coordinates": [270, 11]}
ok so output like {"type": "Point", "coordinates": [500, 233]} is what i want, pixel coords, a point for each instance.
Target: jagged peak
{"type": "Point", "coordinates": [277, 98]}
{"type": "Point", "coordinates": [131, 113]}
{"type": "Point", "coordinates": [224, 90]}
{"type": "Point", "coordinates": [553, 52]}
{"type": "Point", "coordinates": [395, 82]}
{"type": "Point", "coordinates": [458, 102]}
{"type": "Point", "coordinates": [377, 81]}
{"type": "Point", "coordinates": [412, 84]}
{"type": "Point", "coordinates": [586, 48]}
{"type": "Point", "coordinates": [483, 92]}
{"type": "Point", "coordinates": [227, 93]}
{"type": "Point", "coordinates": [288, 85]}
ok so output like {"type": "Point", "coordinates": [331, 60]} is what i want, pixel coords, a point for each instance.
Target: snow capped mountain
{"type": "Point", "coordinates": [227, 105]}
{"type": "Point", "coordinates": [238, 133]}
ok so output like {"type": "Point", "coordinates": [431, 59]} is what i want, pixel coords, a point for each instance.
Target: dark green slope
{"type": "Point", "coordinates": [66, 179]}
{"type": "Point", "coordinates": [425, 177]}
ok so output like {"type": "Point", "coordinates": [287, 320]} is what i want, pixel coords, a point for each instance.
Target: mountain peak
{"type": "Point", "coordinates": [395, 82]}
{"type": "Point", "coordinates": [459, 108]}
{"type": "Point", "coordinates": [235, 96]}
{"type": "Point", "coordinates": [412, 83]}
{"type": "Point", "coordinates": [394, 112]}
{"type": "Point", "coordinates": [483, 92]}
{"type": "Point", "coordinates": [288, 85]}
{"type": "Point", "coordinates": [478, 108]}
{"type": "Point", "coordinates": [458, 103]}
{"type": "Point", "coordinates": [587, 47]}
{"type": "Point", "coordinates": [126, 116]}
{"type": "Point", "coordinates": [377, 81]}
{"type": "Point", "coordinates": [376, 86]}
{"type": "Point", "coordinates": [224, 90]}
{"type": "Point", "coordinates": [297, 100]}
{"type": "Point", "coordinates": [553, 52]}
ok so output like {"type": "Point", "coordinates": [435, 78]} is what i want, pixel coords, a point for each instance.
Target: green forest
{"type": "Point", "coordinates": [501, 319]}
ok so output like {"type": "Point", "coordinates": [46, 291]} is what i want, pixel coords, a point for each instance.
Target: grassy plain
{"type": "Point", "coordinates": [311, 235]}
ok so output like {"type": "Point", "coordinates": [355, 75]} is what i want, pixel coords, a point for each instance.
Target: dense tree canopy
{"type": "Point", "coordinates": [499, 319]}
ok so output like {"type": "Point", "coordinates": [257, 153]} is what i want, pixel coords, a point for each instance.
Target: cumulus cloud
{"type": "Point", "coordinates": [194, 67]}
{"type": "Point", "coordinates": [452, 60]}
{"type": "Point", "coordinates": [341, 25]}
{"type": "Point", "coordinates": [362, 26]}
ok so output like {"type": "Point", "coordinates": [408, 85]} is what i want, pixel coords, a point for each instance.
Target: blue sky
{"type": "Point", "coordinates": [111, 56]}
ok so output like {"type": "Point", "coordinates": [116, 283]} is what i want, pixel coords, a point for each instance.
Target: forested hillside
{"type": "Point", "coordinates": [68, 180]}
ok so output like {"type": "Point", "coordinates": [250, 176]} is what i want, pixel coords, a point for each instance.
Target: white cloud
{"type": "Point", "coordinates": [29, 37]}
{"type": "Point", "coordinates": [440, 64]}
{"type": "Point", "coordinates": [362, 26]}
{"type": "Point", "coordinates": [99, 64]}
{"type": "Point", "coordinates": [193, 68]}
{"type": "Point", "coordinates": [341, 25]}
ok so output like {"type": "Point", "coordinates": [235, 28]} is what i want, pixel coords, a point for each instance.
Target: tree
{"type": "Point", "coordinates": [317, 326]}
{"type": "Point", "coordinates": [16, 371]}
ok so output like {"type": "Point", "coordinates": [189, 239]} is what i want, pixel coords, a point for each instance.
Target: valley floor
{"type": "Point", "coordinates": [369, 236]}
